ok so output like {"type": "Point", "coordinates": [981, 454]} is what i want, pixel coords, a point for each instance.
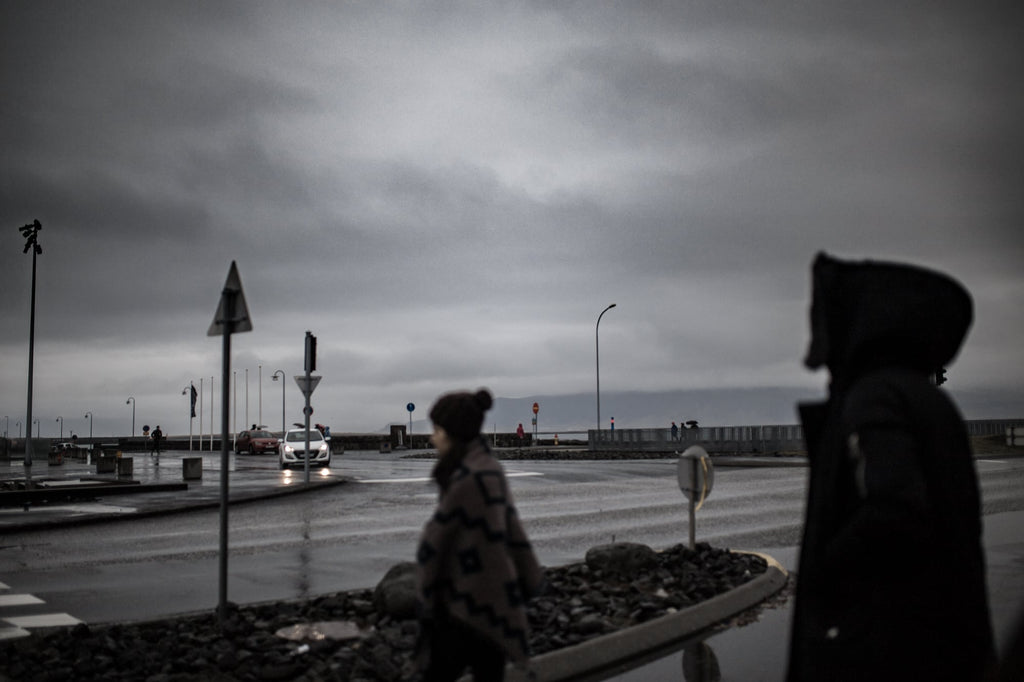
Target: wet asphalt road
{"type": "Point", "coordinates": [347, 536]}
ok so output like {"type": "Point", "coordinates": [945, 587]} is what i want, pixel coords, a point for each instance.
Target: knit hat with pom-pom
{"type": "Point", "coordinates": [461, 414]}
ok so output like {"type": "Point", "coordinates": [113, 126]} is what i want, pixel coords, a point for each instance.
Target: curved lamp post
{"type": "Point", "coordinates": [61, 420]}
{"type": "Point", "coordinates": [597, 356]}
{"type": "Point", "coordinates": [132, 401]}
{"type": "Point", "coordinates": [281, 372]}
{"type": "Point", "coordinates": [88, 415]}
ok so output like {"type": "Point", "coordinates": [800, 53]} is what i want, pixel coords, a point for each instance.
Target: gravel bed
{"type": "Point", "coordinates": [579, 603]}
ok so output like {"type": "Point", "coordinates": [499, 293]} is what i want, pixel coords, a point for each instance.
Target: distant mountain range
{"type": "Point", "coordinates": [709, 407]}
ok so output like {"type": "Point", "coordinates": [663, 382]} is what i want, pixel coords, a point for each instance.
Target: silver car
{"type": "Point", "coordinates": [291, 449]}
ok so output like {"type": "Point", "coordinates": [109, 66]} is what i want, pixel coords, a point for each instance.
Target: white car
{"type": "Point", "coordinates": [291, 449]}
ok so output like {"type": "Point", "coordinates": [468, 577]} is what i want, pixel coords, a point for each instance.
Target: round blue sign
{"type": "Point", "coordinates": [410, 407]}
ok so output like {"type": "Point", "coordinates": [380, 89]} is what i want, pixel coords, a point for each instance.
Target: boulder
{"type": "Point", "coordinates": [395, 594]}
{"type": "Point", "coordinates": [622, 558]}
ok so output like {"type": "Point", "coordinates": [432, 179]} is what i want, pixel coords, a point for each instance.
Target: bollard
{"type": "Point", "coordinates": [385, 446]}
{"type": "Point", "coordinates": [56, 458]}
{"type": "Point", "coordinates": [125, 467]}
{"type": "Point", "coordinates": [106, 465]}
{"type": "Point", "coordinates": [192, 468]}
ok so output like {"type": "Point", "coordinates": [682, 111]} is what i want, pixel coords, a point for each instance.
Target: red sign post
{"type": "Point", "coordinates": [536, 409]}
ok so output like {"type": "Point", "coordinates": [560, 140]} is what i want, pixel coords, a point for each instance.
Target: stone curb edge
{"type": "Point", "coordinates": [612, 650]}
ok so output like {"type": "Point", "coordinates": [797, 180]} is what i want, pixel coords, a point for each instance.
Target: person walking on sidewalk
{"type": "Point", "coordinates": [475, 565]}
{"type": "Point", "coordinates": [891, 576]}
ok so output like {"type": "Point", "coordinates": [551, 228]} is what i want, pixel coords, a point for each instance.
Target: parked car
{"type": "Point", "coordinates": [255, 442]}
{"type": "Point", "coordinates": [292, 448]}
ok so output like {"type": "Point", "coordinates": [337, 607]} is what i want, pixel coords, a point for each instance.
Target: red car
{"type": "Point", "coordinates": [256, 442]}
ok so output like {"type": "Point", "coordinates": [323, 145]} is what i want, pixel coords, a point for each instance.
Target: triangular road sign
{"type": "Point", "coordinates": [232, 293]}
{"type": "Point", "coordinates": [307, 388]}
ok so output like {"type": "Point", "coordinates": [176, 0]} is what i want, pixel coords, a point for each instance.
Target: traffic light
{"type": "Point", "coordinates": [310, 352]}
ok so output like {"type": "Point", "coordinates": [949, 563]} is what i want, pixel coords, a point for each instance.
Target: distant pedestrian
{"type": "Point", "coordinates": [891, 575]}
{"type": "Point", "coordinates": [520, 432]}
{"type": "Point", "coordinates": [154, 445]}
{"type": "Point", "coordinates": [675, 431]}
{"type": "Point", "coordinates": [475, 565]}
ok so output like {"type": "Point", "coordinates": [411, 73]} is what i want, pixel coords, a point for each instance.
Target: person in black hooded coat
{"type": "Point", "coordinates": [891, 575]}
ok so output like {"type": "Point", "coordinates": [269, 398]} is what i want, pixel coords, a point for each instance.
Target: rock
{"type": "Point", "coordinates": [395, 595]}
{"type": "Point", "coordinates": [621, 558]}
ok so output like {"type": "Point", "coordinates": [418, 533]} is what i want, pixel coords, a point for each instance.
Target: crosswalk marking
{"type": "Point", "coordinates": [13, 633]}
{"type": "Point", "coordinates": [44, 620]}
{"type": "Point", "coordinates": [18, 600]}
{"type": "Point", "coordinates": [15, 622]}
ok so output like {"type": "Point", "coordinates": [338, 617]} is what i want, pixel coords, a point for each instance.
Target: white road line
{"type": "Point", "coordinates": [428, 479]}
{"type": "Point", "coordinates": [16, 626]}
{"type": "Point", "coordinates": [45, 620]}
{"type": "Point", "coordinates": [13, 633]}
{"type": "Point", "coordinates": [19, 600]}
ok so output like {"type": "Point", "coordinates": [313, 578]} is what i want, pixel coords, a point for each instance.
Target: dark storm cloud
{"type": "Point", "coordinates": [449, 194]}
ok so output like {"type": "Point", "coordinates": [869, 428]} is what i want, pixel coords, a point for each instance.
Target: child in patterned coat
{"type": "Point", "coordinates": [475, 564]}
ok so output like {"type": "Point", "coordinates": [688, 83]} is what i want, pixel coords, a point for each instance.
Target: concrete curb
{"type": "Point", "coordinates": [620, 650]}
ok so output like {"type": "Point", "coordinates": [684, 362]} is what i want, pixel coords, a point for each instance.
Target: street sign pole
{"type": "Point", "coordinates": [306, 411]}
{"type": "Point", "coordinates": [410, 407]}
{"type": "Point", "coordinates": [232, 316]}
{"type": "Point", "coordinates": [696, 476]}
{"type": "Point", "coordinates": [307, 383]}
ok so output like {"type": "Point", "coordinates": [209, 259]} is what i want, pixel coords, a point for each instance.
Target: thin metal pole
{"type": "Point", "coordinates": [31, 354]}
{"type": "Point", "coordinates": [229, 317]}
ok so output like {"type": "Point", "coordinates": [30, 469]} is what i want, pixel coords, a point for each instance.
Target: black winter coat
{"type": "Point", "coordinates": [891, 577]}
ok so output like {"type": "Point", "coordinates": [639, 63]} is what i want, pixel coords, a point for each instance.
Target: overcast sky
{"type": "Point", "coordinates": [448, 194]}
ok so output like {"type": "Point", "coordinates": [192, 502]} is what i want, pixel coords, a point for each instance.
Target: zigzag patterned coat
{"type": "Point", "coordinates": [474, 559]}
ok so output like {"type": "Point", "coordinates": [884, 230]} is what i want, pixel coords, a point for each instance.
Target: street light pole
{"type": "Point", "coordinates": [61, 420]}
{"type": "Point", "coordinates": [281, 372]}
{"type": "Point", "coordinates": [31, 234]}
{"type": "Point", "coordinates": [132, 401]}
{"type": "Point", "coordinates": [597, 357]}
{"type": "Point", "coordinates": [88, 415]}
{"type": "Point", "coordinates": [260, 392]}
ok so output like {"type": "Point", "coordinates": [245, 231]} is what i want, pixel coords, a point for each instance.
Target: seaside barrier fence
{"type": "Point", "coordinates": [765, 439]}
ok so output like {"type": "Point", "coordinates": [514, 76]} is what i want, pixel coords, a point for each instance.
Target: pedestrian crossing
{"type": "Point", "coordinates": [22, 613]}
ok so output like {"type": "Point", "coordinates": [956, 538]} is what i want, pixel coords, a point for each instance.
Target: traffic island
{"type": "Point", "coordinates": [589, 620]}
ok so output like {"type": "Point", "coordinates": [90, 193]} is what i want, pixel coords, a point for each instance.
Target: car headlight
{"type": "Point", "coordinates": [288, 449]}
{"type": "Point", "coordinates": [323, 447]}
